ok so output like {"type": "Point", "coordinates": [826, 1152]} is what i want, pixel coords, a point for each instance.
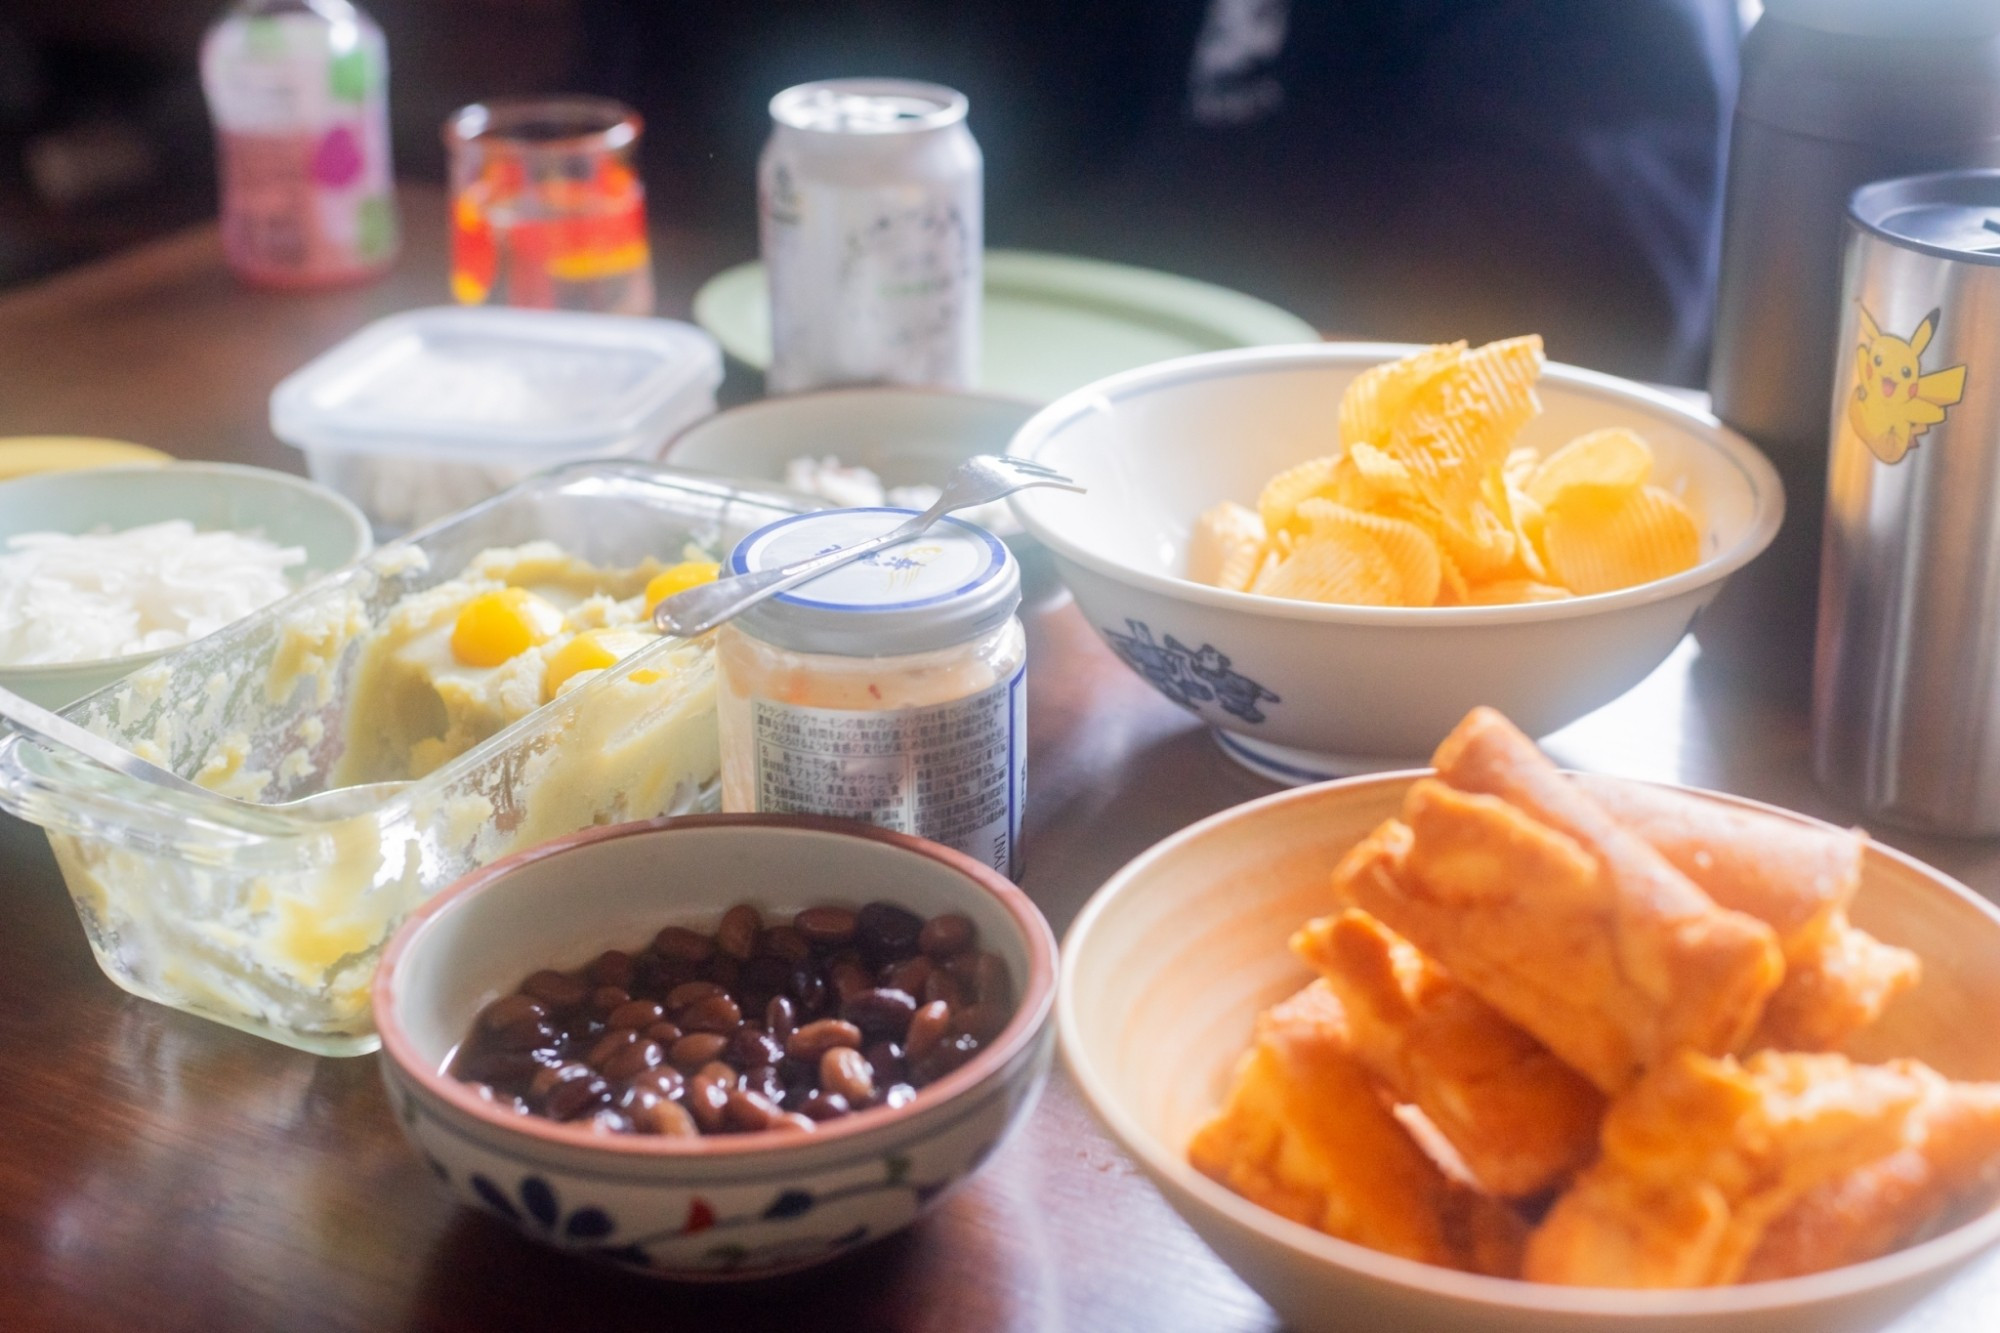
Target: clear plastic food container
{"type": "Point", "coordinates": [428, 411]}
{"type": "Point", "coordinates": [269, 917]}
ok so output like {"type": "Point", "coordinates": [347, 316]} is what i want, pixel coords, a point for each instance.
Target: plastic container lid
{"type": "Point", "coordinates": [495, 384]}
{"type": "Point", "coordinates": [946, 587]}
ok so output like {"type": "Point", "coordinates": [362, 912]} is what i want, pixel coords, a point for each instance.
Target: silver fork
{"type": "Point", "coordinates": [979, 480]}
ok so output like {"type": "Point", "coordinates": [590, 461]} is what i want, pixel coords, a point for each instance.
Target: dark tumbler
{"type": "Point", "coordinates": [1835, 94]}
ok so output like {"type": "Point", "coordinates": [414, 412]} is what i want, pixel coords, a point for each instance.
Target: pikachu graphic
{"type": "Point", "coordinates": [1894, 401]}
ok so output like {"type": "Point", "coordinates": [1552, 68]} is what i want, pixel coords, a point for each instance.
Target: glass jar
{"type": "Point", "coordinates": [892, 690]}
{"type": "Point", "coordinates": [547, 208]}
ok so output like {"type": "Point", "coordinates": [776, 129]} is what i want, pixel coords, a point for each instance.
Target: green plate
{"type": "Point", "coordinates": [1051, 323]}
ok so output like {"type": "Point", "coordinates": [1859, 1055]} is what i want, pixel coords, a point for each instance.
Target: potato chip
{"type": "Point", "coordinates": [1348, 567]}
{"type": "Point", "coordinates": [1614, 459]}
{"type": "Point", "coordinates": [1381, 394]}
{"type": "Point", "coordinates": [1520, 465]}
{"type": "Point", "coordinates": [1433, 503]}
{"type": "Point", "coordinates": [1381, 474]}
{"type": "Point", "coordinates": [1226, 547]}
{"type": "Point", "coordinates": [1282, 493]}
{"type": "Point", "coordinates": [1453, 589]}
{"type": "Point", "coordinates": [1460, 426]}
{"type": "Point", "coordinates": [1409, 550]}
{"type": "Point", "coordinates": [1595, 545]}
{"type": "Point", "coordinates": [1268, 562]}
{"type": "Point", "coordinates": [1524, 520]}
{"type": "Point", "coordinates": [1482, 549]}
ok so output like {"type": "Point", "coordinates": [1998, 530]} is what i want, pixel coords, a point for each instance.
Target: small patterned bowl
{"type": "Point", "coordinates": [736, 1206]}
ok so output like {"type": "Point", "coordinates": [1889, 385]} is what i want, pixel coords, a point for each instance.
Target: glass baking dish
{"type": "Point", "coordinates": [270, 918]}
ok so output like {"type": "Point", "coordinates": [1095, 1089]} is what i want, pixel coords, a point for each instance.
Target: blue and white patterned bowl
{"type": "Point", "coordinates": [736, 1206]}
{"type": "Point", "coordinates": [1301, 691]}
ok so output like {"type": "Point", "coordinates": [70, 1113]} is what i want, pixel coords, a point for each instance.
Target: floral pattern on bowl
{"type": "Point", "coordinates": [1190, 677]}
{"type": "Point", "coordinates": [757, 1222]}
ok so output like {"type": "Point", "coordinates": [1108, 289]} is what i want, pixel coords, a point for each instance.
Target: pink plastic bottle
{"type": "Point", "coordinates": [299, 93]}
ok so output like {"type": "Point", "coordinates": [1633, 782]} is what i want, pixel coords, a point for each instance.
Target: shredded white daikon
{"type": "Point", "coordinates": [67, 598]}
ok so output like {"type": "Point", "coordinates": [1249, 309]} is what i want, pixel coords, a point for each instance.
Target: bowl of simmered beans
{"type": "Point", "coordinates": [720, 1046]}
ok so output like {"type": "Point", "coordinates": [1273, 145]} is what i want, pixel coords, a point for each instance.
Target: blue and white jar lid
{"type": "Point", "coordinates": [948, 586]}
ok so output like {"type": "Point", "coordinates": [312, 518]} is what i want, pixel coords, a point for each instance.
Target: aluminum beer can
{"type": "Point", "coordinates": [1906, 678]}
{"type": "Point", "coordinates": [870, 196]}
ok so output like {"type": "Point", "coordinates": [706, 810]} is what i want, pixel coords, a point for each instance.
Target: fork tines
{"type": "Point", "coordinates": [1029, 465]}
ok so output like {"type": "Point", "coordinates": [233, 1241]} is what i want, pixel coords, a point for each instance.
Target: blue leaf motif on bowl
{"type": "Point", "coordinates": [1190, 677]}
{"type": "Point", "coordinates": [537, 1200]}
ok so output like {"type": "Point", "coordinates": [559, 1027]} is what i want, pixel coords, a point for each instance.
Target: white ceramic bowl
{"type": "Point", "coordinates": [1300, 691]}
{"type": "Point", "coordinates": [905, 436]}
{"type": "Point", "coordinates": [1169, 963]}
{"type": "Point", "coordinates": [732, 1206]}
{"type": "Point", "coordinates": [288, 510]}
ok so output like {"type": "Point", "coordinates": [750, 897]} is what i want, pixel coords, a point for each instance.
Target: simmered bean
{"type": "Point", "coordinates": [762, 1025]}
{"type": "Point", "coordinates": [695, 1050]}
{"type": "Point", "coordinates": [738, 932]}
{"type": "Point", "coordinates": [634, 1059]}
{"type": "Point", "coordinates": [708, 1096]}
{"type": "Point", "coordinates": [635, 1014]}
{"type": "Point", "coordinates": [612, 968]}
{"type": "Point", "coordinates": [609, 1045]}
{"type": "Point", "coordinates": [886, 932]}
{"type": "Point", "coordinates": [750, 1047]}
{"type": "Point", "coordinates": [555, 989]}
{"type": "Point", "coordinates": [693, 992]}
{"type": "Point", "coordinates": [788, 944]}
{"type": "Point", "coordinates": [820, 1036]}
{"type": "Point", "coordinates": [509, 1010]}
{"type": "Point", "coordinates": [947, 935]}
{"type": "Point", "coordinates": [683, 945]}
{"type": "Point", "coordinates": [665, 1083]}
{"type": "Point", "coordinates": [747, 1110]}
{"type": "Point", "coordinates": [824, 1105]}
{"type": "Point", "coordinates": [928, 1026]}
{"type": "Point", "coordinates": [718, 1013]}
{"type": "Point", "coordinates": [781, 1017]}
{"type": "Point", "coordinates": [879, 1012]}
{"type": "Point", "coordinates": [665, 1117]}
{"type": "Point", "coordinates": [825, 927]}
{"type": "Point", "coordinates": [846, 1071]}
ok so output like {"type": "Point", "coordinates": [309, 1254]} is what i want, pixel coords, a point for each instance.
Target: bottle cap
{"type": "Point", "coordinates": [945, 587]}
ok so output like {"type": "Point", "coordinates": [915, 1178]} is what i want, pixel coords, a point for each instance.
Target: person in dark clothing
{"type": "Point", "coordinates": [1402, 169]}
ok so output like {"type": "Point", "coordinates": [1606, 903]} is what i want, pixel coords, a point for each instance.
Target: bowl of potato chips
{"type": "Point", "coordinates": [1330, 552]}
{"type": "Point", "coordinates": [1725, 1068]}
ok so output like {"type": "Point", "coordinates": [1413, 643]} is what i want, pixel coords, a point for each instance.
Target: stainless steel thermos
{"type": "Point", "coordinates": [1835, 93]}
{"type": "Point", "coordinates": [1906, 679]}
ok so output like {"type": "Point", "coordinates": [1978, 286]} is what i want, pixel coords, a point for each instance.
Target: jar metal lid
{"type": "Point", "coordinates": [945, 587]}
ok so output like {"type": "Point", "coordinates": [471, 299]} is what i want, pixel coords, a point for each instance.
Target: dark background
{"type": "Point", "coordinates": [1425, 169]}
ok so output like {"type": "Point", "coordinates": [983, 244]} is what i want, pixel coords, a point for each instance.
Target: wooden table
{"type": "Point", "coordinates": [161, 1172]}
